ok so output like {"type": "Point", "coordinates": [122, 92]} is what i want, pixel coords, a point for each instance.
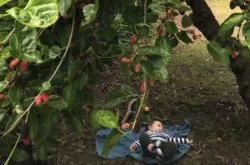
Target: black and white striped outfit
{"type": "Point", "coordinates": [161, 136]}
{"type": "Point", "coordinates": [164, 146]}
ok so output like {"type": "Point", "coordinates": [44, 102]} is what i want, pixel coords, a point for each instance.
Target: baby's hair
{"type": "Point", "coordinates": [150, 122]}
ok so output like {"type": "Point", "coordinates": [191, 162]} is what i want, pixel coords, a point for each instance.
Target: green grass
{"type": "Point", "coordinates": [196, 74]}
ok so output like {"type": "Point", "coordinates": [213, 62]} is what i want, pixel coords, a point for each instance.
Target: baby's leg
{"type": "Point", "coordinates": [165, 151]}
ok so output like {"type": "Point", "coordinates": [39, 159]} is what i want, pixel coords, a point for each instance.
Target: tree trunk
{"type": "Point", "coordinates": [205, 21]}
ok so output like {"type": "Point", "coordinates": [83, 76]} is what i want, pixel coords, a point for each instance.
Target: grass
{"type": "Point", "coordinates": [194, 70]}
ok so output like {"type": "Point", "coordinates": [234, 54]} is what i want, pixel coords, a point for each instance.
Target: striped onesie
{"type": "Point", "coordinates": [161, 136]}
{"type": "Point", "coordinates": [151, 137]}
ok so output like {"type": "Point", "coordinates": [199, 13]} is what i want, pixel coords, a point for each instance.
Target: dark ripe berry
{"type": "Point", "coordinates": [132, 40]}
{"type": "Point", "coordinates": [2, 96]}
{"type": "Point", "coordinates": [26, 140]}
{"type": "Point", "coordinates": [23, 66]}
{"type": "Point", "coordinates": [24, 130]}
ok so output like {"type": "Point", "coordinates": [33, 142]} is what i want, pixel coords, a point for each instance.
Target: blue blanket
{"type": "Point", "coordinates": [121, 149]}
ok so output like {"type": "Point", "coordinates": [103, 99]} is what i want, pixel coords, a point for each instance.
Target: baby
{"type": "Point", "coordinates": [155, 143]}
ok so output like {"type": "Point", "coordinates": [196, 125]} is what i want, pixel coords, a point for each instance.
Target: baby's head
{"type": "Point", "coordinates": [155, 125]}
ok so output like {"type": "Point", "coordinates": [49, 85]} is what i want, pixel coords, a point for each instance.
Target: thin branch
{"type": "Point", "coordinates": [8, 37]}
{"type": "Point", "coordinates": [12, 151]}
{"type": "Point", "coordinates": [145, 12]}
{"type": "Point", "coordinates": [129, 110]}
{"type": "Point", "coordinates": [66, 51]}
{"type": "Point", "coordinates": [141, 102]}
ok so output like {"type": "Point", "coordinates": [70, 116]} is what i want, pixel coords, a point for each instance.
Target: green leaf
{"type": "Point", "coordinates": [245, 51]}
{"type": "Point", "coordinates": [227, 27]}
{"type": "Point", "coordinates": [186, 21]}
{"type": "Point", "coordinates": [18, 109]}
{"type": "Point", "coordinates": [118, 96]}
{"type": "Point", "coordinates": [37, 13]}
{"type": "Point", "coordinates": [12, 123]}
{"type": "Point", "coordinates": [163, 43]}
{"type": "Point", "coordinates": [155, 50]}
{"type": "Point", "coordinates": [166, 43]}
{"type": "Point", "coordinates": [171, 28]}
{"type": "Point", "coordinates": [142, 29]}
{"type": "Point", "coordinates": [40, 152]}
{"type": "Point", "coordinates": [90, 11]}
{"type": "Point", "coordinates": [33, 57]}
{"type": "Point", "coordinates": [64, 6]}
{"type": "Point", "coordinates": [34, 127]}
{"type": "Point", "coordinates": [15, 95]}
{"type": "Point", "coordinates": [233, 4]}
{"type": "Point", "coordinates": [2, 114]}
{"type": "Point", "coordinates": [54, 52]}
{"type": "Point", "coordinates": [219, 53]}
{"type": "Point", "coordinates": [27, 38]}
{"type": "Point", "coordinates": [15, 48]}
{"type": "Point", "coordinates": [184, 37]}
{"type": "Point", "coordinates": [46, 86]}
{"type": "Point", "coordinates": [103, 118]}
{"type": "Point", "coordinates": [74, 121]}
{"type": "Point", "coordinates": [5, 53]}
{"type": "Point", "coordinates": [155, 68]}
{"type": "Point", "coordinates": [2, 85]}
{"type": "Point", "coordinates": [19, 155]}
{"type": "Point", "coordinates": [111, 141]}
{"type": "Point", "coordinates": [246, 31]}
{"type": "Point", "coordinates": [44, 119]}
{"type": "Point", "coordinates": [57, 102]}
{"type": "Point", "coordinates": [3, 2]}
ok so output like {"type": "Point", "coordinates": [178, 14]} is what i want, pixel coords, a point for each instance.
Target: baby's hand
{"type": "Point", "coordinates": [132, 148]}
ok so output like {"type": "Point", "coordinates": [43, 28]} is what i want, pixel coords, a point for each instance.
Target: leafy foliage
{"type": "Point", "coordinates": [52, 53]}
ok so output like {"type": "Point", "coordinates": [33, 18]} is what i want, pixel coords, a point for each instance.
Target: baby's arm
{"type": "Point", "coordinates": [133, 147]}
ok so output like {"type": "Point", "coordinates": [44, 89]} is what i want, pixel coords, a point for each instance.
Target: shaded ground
{"type": "Point", "coordinates": [200, 90]}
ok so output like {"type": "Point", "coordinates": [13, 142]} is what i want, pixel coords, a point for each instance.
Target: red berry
{"type": "Point", "coordinates": [13, 63]}
{"type": "Point", "coordinates": [234, 55]}
{"type": "Point", "coordinates": [132, 40]}
{"type": "Point", "coordinates": [38, 99]}
{"type": "Point", "coordinates": [23, 66]}
{"type": "Point", "coordinates": [142, 87]}
{"type": "Point", "coordinates": [125, 125]}
{"type": "Point", "coordinates": [137, 68]}
{"type": "Point", "coordinates": [26, 140]}
{"type": "Point", "coordinates": [2, 96]}
{"type": "Point", "coordinates": [125, 60]}
{"type": "Point", "coordinates": [45, 97]}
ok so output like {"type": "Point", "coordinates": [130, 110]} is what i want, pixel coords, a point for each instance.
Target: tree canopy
{"type": "Point", "coordinates": [52, 53]}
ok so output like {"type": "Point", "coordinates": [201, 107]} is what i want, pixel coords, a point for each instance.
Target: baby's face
{"type": "Point", "coordinates": [156, 126]}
